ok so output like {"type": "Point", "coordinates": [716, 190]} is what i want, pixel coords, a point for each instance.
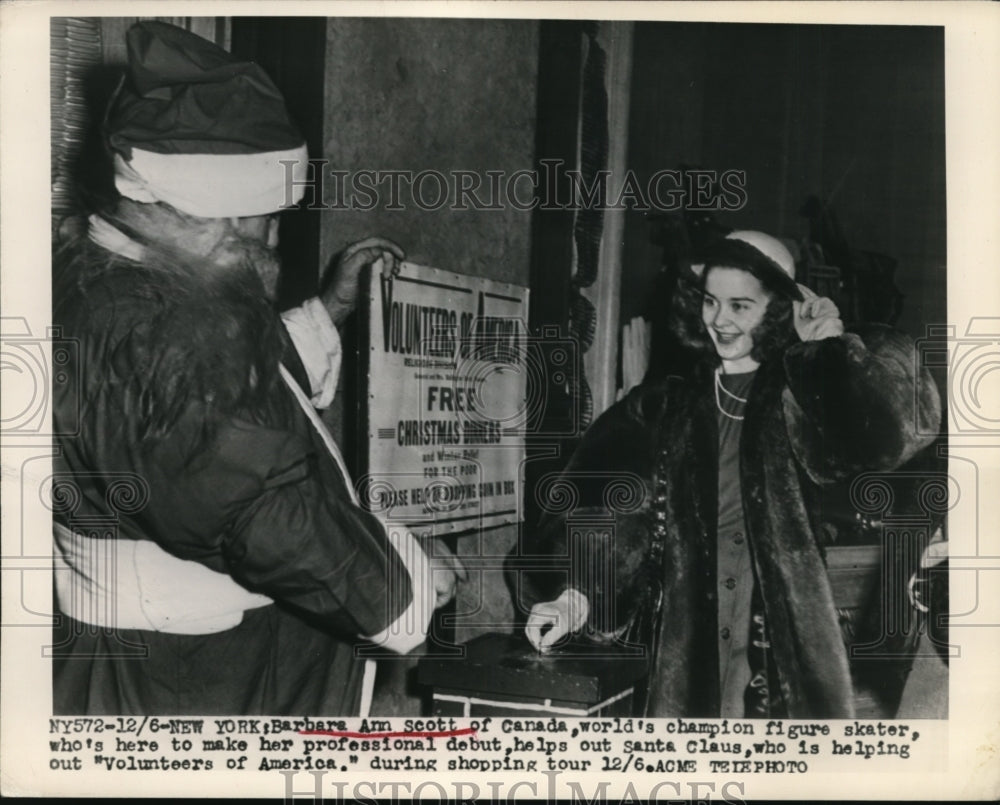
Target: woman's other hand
{"type": "Point", "coordinates": [816, 317]}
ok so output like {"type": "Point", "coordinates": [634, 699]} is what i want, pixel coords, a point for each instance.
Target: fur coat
{"type": "Point", "coordinates": [827, 411]}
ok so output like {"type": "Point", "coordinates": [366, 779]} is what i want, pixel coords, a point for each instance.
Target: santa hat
{"type": "Point", "coordinates": [201, 130]}
{"type": "Point", "coordinates": [757, 251]}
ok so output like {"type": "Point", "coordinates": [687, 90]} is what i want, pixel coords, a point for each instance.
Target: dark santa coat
{"type": "Point", "coordinates": [826, 412]}
{"type": "Point", "coordinates": [258, 498]}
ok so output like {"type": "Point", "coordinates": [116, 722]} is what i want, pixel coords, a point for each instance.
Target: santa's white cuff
{"type": "Point", "coordinates": [318, 344]}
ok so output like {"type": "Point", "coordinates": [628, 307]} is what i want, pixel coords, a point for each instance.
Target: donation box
{"type": "Point", "coordinates": [502, 674]}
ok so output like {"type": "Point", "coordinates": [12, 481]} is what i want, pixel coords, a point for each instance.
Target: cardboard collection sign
{"type": "Point", "coordinates": [447, 399]}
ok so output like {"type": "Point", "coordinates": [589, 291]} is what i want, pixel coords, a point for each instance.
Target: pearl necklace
{"type": "Point", "coordinates": [718, 400]}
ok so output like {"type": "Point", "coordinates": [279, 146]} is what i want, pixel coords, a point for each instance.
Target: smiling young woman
{"type": "Point", "coordinates": [719, 573]}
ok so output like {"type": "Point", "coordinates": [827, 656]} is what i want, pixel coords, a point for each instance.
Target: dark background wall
{"type": "Point", "coordinates": [853, 114]}
{"type": "Point", "coordinates": [438, 95]}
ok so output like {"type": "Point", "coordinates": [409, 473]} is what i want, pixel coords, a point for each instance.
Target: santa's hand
{"type": "Point", "coordinates": [550, 622]}
{"type": "Point", "coordinates": [816, 317]}
{"type": "Point", "coordinates": [341, 292]}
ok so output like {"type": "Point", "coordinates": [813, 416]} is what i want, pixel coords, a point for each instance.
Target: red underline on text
{"type": "Point", "coordinates": [441, 734]}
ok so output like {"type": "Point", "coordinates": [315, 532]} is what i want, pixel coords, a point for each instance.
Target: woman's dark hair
{"type": "Point", "coordinates": [775, 331]}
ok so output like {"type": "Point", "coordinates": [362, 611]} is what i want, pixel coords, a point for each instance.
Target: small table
{"type": "Point", "coordinates": [502, 674]}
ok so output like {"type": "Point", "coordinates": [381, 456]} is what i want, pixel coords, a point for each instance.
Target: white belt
{"type": "Point", "coordinates": [135, 584]}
